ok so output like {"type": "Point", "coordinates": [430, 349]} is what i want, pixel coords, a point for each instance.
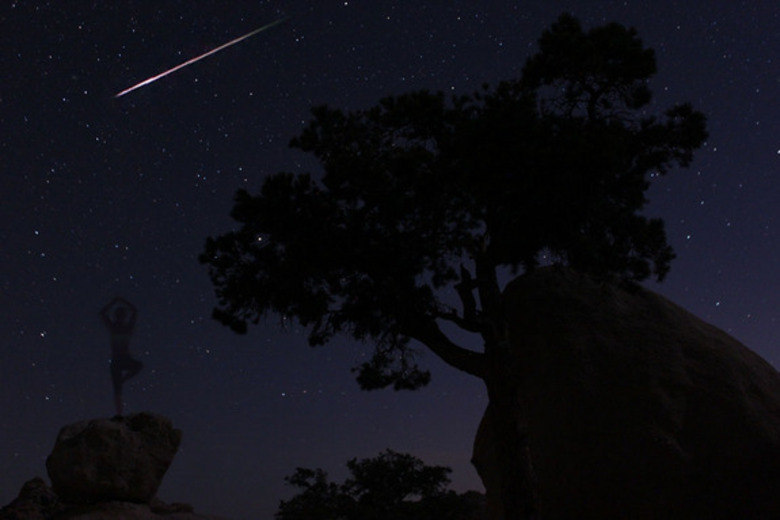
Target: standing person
{"type": "Point", "coordinates": [120, 325]}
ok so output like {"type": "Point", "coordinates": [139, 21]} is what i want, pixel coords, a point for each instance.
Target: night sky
{"type": "Point", "coordinates": [105, 197]}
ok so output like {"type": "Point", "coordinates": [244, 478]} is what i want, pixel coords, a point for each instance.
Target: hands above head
{"type": "Point", "coordinates": [117, 300]}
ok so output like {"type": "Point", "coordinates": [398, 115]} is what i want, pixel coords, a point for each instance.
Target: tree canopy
{"type": "Point", "coordinates": [390, 486]}
{"type": "Point", "coordinates": [424, 195]}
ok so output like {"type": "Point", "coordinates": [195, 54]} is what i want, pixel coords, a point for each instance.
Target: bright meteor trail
{"type": "Point", "coordinates": [197, 58]}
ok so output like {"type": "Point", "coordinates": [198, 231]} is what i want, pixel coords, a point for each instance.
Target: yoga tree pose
{"type": "Point", "coordinates": [120, 325]}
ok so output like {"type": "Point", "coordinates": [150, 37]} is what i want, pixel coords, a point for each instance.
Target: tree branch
{"type": "Point", "coordinates": [465, 289]}
{"type": "Point", "coordinates": [492, 319]}
{"type": "Point", "coordinates": [487, 283]}
{"type": "Point", "coordinates": [464, 323]}
{"type": "Point", "coordinates": [427, 332]}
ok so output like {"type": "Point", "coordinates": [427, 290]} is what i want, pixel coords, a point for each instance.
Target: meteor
{"type": "Point", "coordinates": [198, 58]}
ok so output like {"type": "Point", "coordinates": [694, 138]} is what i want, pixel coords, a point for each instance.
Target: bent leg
{"type": "Point", "coordinates": [133, 366]}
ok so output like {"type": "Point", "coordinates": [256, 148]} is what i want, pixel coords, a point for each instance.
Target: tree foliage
{"type": "Point", "coordinates": [424, 194]}
{"type": "Point", "coordinates": [391, 486]}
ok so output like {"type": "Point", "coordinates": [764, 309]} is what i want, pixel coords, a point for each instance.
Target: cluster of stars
{"type": "Point", "coordinates": [113, 197]}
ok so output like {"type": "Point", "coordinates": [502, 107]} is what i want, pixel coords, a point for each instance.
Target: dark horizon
{"type": "Point", "coordinates": [106, 197]}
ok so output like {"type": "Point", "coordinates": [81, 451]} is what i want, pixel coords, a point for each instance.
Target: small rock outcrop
{"type": "Point", "coordinates": [635, 408]}
{"type": "Point", "coordinates": [36, 501]}
{"type": "Point", "coordinates": [120, 459]}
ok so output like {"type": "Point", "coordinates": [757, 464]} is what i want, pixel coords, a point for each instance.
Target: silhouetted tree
{"type": "Point", "coordinates": [391, 486]}
{"type": "Point", "coordinates": [421, 194]}
{"type": "Point", "coordinates": [319, 499]}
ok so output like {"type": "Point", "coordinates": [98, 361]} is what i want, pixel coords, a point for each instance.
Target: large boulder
{"type": "Point", "coordinates": [634, 407]}
{"type": "Point", "coordinates": [121, 459]}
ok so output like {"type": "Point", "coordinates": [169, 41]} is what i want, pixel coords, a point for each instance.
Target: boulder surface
{"type": "Point", "coordinates": [37, 501]}
{"type": "Point", "coordinates": [120, 459]}
{"type": "Point", "coordinates": [634, 407]}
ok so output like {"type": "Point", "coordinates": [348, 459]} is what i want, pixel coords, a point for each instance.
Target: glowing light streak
{"type": "Point", "coordinates": [198, 58]}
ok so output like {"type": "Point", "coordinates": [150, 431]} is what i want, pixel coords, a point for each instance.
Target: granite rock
{"type": "Point", "coordinates": [634, 408]}
{"type": "Point", "coordinates": [119, 459]}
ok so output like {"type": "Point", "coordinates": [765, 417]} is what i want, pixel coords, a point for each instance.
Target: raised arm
{"type": "Point", "coordinates": [104, 312]}
{"type": "Point", "coordinates": [131, 307]}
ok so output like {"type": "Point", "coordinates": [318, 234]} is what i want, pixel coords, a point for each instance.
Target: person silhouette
{"type": "Point", "coordinates": [120, 326]}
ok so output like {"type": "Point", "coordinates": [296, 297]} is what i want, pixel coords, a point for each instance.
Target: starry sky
{"type": "Point", "coordinates": [104, 196]}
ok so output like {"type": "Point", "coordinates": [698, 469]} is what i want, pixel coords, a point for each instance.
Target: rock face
{"type": "Point", "coordinates": [37, 501]}
{"type": "Point", "coordinates": [121, 459]}
{"type": "Point", "coordinates": [635, 408]}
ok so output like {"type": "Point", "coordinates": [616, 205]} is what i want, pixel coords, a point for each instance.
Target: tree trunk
{"type": "Point", "coordinates": [502, 455]}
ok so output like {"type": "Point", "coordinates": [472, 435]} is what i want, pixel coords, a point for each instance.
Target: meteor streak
{"type": "Point", "coordinates": [197, 58]}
